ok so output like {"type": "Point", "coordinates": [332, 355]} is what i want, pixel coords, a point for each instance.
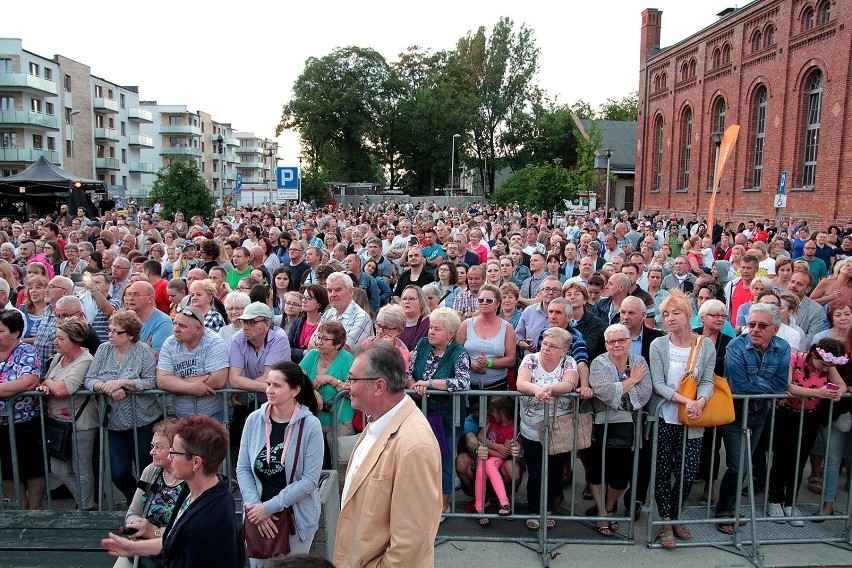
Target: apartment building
{"type": "Point", "coordinates": [97, 129]}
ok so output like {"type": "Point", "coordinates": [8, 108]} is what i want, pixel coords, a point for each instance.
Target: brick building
{"type": "Point", "coordinates": [778, 68]}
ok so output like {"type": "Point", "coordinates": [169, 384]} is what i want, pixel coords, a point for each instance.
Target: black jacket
{"type": "Point", "coordinates": [293, 334]}
{"type": "Point", "coordinates": [207, 532]}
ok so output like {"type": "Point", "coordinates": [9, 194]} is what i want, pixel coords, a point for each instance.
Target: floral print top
{"type": "Point", "coordinates": [23, 360]}
{"type": "Point", "coordinates": [163, 499]}
{"type": "Point", "coordinates": [804, 377]}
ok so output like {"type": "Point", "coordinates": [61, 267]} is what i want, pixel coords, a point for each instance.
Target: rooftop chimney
{"type": "Point", "coordinates": [650, 39]}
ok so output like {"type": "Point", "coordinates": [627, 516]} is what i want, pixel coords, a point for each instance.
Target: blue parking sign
{"type": "Point", "coordinates": [288, 178]}
{"type": "Point", "coordinates": [238, 187]}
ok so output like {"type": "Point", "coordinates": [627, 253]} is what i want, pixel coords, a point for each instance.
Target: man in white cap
{"type": "Point", "coordinates": [255, 348]}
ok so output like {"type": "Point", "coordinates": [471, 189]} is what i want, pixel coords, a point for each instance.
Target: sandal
{"type": "Point", "coordinates": [532, 524]}
{"type": "Point", "coordinates": [725, 528]}
{"type": "Point", "coordinates": [815, 484]}
{"type": "Point", "coordinates": [484, 522]}
{"type": "Point", "coordinates": [604, 529]}
{"type": "Point", "coordinates": [587, 493]}
{"type": "Point", "coordinates": [505, 510]}
{"type": "Point", "coordinates": [613, 526]}
{"type": "Point", "coordinates": [549, 523]}
{"type": "Point", "coordinates": [666, 537]}
{"type": "Point", "coordinates": [682, 532]}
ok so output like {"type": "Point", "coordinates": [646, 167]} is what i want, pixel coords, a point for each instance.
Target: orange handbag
{"type": "Point", "coordinates": [719, 409]}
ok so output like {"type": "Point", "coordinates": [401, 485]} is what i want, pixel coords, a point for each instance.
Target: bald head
{"type": "Point", "coordinates": [195, 274]}
{"type": "Point", "coordinates": [257, 256]}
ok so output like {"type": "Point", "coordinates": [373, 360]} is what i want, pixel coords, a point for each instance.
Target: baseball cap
{"type": "Point", "coordinates": [193, 312]}
{"type": "Point", "coordinates": [256, 310]}
{"type": "Point", "coordinates": [186, 244]}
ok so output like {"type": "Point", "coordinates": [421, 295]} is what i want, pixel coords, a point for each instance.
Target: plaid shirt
{"type": "Point", "coordinates": [466, 302]}
{"type": "Point", "coordinates": [355, 321]}
{"type": "Point", "coordinates": [214, 320]}
{"type": "Point", "coordinates": [46, 333]}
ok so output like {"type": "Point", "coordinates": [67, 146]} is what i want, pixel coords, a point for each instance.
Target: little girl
{"type": "Point", "coordinates": [498, 443]}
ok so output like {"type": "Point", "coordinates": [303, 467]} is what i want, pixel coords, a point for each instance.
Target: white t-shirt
{"type": "Point", "coordinates": [678, 357]}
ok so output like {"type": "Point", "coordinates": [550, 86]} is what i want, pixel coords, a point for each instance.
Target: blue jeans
{"type": "Point", "coordinates": [839, 446]}
{"type": "Point", "coordinates": [758, 411]}
{"type": "Point", "coordinates": [122, 455]}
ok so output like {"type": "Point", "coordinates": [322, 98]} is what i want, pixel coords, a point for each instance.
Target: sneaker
{"type": "Point", "coordinates": [794, 512]}
{"type": "Point", "coordinates": [774, 510]}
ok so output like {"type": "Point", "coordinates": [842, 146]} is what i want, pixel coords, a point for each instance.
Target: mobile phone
{"type": "Point", "coordinates": [832, 387]}
{"type": "Point", "coordinates": [127, 531]}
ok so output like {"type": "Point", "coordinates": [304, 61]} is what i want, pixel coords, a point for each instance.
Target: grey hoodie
{"type": "Point", "coordinates": [302, 494]}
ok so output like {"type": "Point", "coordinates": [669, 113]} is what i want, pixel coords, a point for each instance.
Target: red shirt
{"type": "Point", "coordinates": [161, 296]}
{"type": "Point", "coordinates": [739, 296]}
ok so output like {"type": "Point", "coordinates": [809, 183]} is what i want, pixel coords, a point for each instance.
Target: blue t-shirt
{"type": "Point", "coordinates": [156, 330]}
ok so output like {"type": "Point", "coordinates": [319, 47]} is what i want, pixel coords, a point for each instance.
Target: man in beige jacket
{"type": "Point", "coordinates": [391, 502]}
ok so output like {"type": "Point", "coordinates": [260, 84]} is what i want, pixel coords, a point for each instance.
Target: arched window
{"type": "Point", "coordinates": [692, 67]}
{"type": "Point", "coordinates": [658, 154]}
{"type": "Point", "coordinates": [811, 142]}
{"type": "Point", "coordinates": [824, 13]}
{"type": "Point", "coordinates": [686, 134]}
{"type": "Point", "coordinates": [726, 54]}
{"type": "Point", "coordinates": [717, 123]}
{"type": "Point", "coordinates": [808, 19]}
{"type": "Point", "coordinates": [656, 83]}
{"type": "Point", "coordinates": [759, 129]}
{"type": "Point", "coordinates": [756, 41]}
{"type": "Point", "coordinates": [719, 113]}
{"type": "Point", "coordinates": [684, 71]}
{"type": "Point", "coordinates": [769, 36]}
{"type": "Point", "coordinates": [663, 80]}
{"type": "Point", "coordinates": [717, 58]}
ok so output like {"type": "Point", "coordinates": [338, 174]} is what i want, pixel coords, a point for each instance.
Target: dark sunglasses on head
{"type": "Point", "coordinates": [189, 313]}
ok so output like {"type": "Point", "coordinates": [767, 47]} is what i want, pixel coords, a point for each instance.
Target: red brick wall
{"type": "Point", "coordinates": [783, 68]}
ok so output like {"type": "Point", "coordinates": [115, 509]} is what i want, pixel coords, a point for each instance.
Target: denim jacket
{"type": "Point", "coordinates": [750, 372]}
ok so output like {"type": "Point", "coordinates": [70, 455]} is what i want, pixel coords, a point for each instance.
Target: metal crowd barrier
{"type": "Point", "coordinates": [573, 526]}
{"type": "Point", "coordinates": [751, 523]}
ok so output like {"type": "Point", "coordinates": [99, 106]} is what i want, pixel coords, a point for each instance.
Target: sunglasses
{"type": "Point", "coordinates": [189, 313]}
{"type": "Point", "coordinates": [758, 324]}
{"type": "Point", "coordinates": [486, 301]}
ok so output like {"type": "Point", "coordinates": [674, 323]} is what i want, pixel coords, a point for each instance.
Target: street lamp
{"type": "Point", "coordinates": [71, 116]}
{"type": "Point", "coordinates": [453, 163]}
{"type": "Point", "coordinates": [300, 180]}
{"type": "Point", "coordinates": [220, 140]}
{"type": "Point", "coordinates": [273, 161]}
{"type": "Point", "coordinates": [716, 137]}
{"type": "Point", "coordinates": [608, 153]}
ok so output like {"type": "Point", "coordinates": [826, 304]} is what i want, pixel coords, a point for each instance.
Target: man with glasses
{"type": "Point", "coordinates": [811, 317]}
{"type": "Point", "coordinates": [816, 265]}
{"type": "Point", "coordinates": [534, 319]}
{"type": "Point", "coordinates": [156, 325]}
{"type": "Point", "coordinates": [757, 362]}
{"type": "Point", "coordinates": [98, 301]}
{"type": "Point", "coordinates": [466, 303]}
{"type": "Point", "coordinates": [255, 348]}
{"type": "Point", "coordinates": [681, 278]}
{"type": "Point", "coordinates": [397, 446]}
{"type": "Point", "coordinates": [57, 288]}
{"type": "Point", "coordinates": [365, 282]}
{"type": "Point", "coordinates": [71, 307]}
{"type": "Point", "coordinates": [342, 308]}
{"type": "Point", "coordinates": [193, 364]}
{"type": "Point", "coordinates": [120, 277]}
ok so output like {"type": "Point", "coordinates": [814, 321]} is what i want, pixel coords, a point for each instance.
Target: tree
{"type": "Point", "coordinates": [542, 134]}
{"type": "Point", "coordinates": [180, 187]}
{"type": "Point", "coordinates": [337, 103]}
{"type": "Point", "coordinates": [537, 188]}
{"type": "Point", "coordinates": [502, 70]}
{"type": "Point", "coordinates": [313, 187]}
{"type": "Point", "coordinates": [583, 110]}
{"type": "Point", "coordinates": [627, 109]}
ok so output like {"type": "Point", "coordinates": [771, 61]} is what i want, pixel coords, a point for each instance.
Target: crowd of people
{"type": "Point", "coordinates": [279, 301]}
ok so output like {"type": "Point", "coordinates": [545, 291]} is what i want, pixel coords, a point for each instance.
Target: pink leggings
{"type": "Point", "coordinates": [491, 466]}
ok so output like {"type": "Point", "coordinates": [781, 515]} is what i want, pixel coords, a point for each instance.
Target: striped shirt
{"type": "Point", "coordinates": [355, 321]}
{"type": "Point", "coordinates": [46, 333]}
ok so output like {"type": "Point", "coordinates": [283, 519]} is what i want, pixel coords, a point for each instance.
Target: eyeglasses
{"type": "Point", "coordinates": [156, 447]}
{"type": "Point", "coordinates": [250, 323]}
{"type": "Point", "coordinates": [321, 339]}
{"type": "Point", "coordinates": [758, 324]}
{"type": "Point", "coordinates": [719, 315]}
{"type": "Point", "coordinates": [411, 299]}
{"type": "Point", "coordinates": [136, 294]}
{"type": "Point", "coordinates": [189, 313]}
{"type": "Point", "coordinates": [620, 341]}
{"type": "Point", "coordinates": [384, 328]}
{"type": "Point", "coordinates": [116, 331]}
{"type": "Point", "coordinates": [486, 301]}
{"type": "Point", "coordinates": [235, 309]}
{"type": "Point", "coordinates": [551, 345]}
{"type": "Point", "coordinates": [173, 453]}
{"type": "Point", "coordinates": [551, 290]}
{"type": "Point", "coordinates": [293, 304]}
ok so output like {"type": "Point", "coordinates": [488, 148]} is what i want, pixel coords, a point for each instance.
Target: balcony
{"type": "Point", "coordinates": [19, 155]}
{"type": "Point", "coordinates": [28, 83]}
{"type": "Point", "coordinates": [250, 165]}
{"type": "Point", "coordinates": [107, 164]}
{"type": "Point", "coordinates": [232, 159]}
{"type": "Point", "coordinates": [185, 129]}
{"type": "Point", "coordinates": [109, 134]}
{"type": "Point", "coordinates": [28, 118]}
{"type": "Point", "coordinates": [255, 180]}
{"type": "Point", "coordinates": [180, 151]}
{"type": "Point", "coordinates": [142, 167]}
{"type": "Point", "coordinates": [140, 140]}
{"type": "Point", "coordinates": [101, 104]}
{"type": "Point", "coordinates": [232, 142]}
{"type": "Point", "coordinates": [248, 150]}
{"type": "Point", "coordinates": [137, 114]}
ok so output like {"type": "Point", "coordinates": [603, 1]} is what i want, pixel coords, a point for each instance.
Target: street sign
{"type": "Point", "coordinates": [238, 187]}
{"type": "Point", "coordinates": [782, 188]}
{"type": "Point", "coordinates": [288, 183]}
{"type": "Point", "coordinates": [288, 178]}
{"type": "Point", "coordinates": [781, 200]}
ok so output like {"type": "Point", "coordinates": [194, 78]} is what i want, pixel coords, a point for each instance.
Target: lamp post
{"type": "Point", "coordinates": [717, 140]}
{"type": "Point", "coordinates": [453, 163]}
{"type": "Point", "coordinates": [608, 153]}
{"type": "Point", "coordinates": [300, 179]}
{"type": "Point", "coordinates": [273, 162]}
{"type": "Point", "coordinates": [220, 141]}
{"type": "Point", "coordinates": [71, 116]}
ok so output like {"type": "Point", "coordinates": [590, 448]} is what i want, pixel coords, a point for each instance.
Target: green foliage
{"type": "Point", "coordinates": [180, 187]}
{"type": "Point", "coordinates": [584, 176]}
{"type": "Point", "coordinates": [627, 109]}
{"type": "Point", "coordinates": [543, 134]}
{"type": "Point", "coordinates": [313, 187]}
{"type": "Point", "coordinates": [583, 110]}
{"type": "Point", "coordinates": [541, 187]}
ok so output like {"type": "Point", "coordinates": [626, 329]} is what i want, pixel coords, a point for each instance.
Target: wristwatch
{"type": "Point", "coordinates": [158, 533]}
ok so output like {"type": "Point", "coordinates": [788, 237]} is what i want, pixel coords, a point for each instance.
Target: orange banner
{"type": "Point", "coordinates": [729, 139]}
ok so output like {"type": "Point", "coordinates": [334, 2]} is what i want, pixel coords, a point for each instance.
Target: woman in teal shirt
{"type": "Point", "coordinates": [327, 366]}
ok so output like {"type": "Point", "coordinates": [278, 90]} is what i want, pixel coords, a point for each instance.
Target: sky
{"type": "Point", "coordinates": [238, 62]}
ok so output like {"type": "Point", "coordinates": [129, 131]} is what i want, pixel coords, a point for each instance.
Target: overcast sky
{"type": "Point", "coordinates": [238, 61]}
